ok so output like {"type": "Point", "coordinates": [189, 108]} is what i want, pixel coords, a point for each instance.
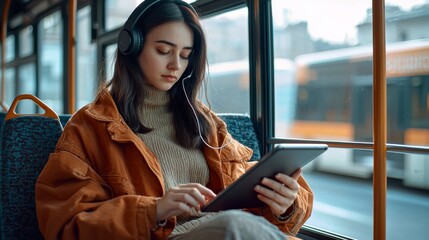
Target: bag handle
{"type": "Point", "coordinates": [48, 111]}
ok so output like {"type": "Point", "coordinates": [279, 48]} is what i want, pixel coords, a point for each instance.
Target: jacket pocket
{"type": "Point", "coordinates": [119, 185]}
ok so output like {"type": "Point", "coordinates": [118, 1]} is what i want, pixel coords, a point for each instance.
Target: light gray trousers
{"type": "Point", "coordinates": [234, 225]}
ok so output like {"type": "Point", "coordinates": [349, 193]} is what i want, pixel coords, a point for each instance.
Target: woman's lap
{"type": "Point", "coordinates": [234, 224]}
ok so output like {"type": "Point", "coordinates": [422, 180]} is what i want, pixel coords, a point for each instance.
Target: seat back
{"type": "Point", "coordinates": [240, 126]}
{"type": "Point", "coordinates": [26, 142]}
{"type": "Point", "coordinates": [2, 116]}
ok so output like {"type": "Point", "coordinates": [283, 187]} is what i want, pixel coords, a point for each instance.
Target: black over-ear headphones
{"type": "Point", "coordinates": [130, 39]}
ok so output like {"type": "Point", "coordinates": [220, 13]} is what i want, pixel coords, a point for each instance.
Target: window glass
{"type": "Point", "coordinates": [10, 93]}
{"type": "Point", "coordinates": [27, 85]}
{"type": "Point", "coordinates": [322, 68]}
{"type": "Point", "coordinates": [228, 53]}
{"type": "Point", "coordinates": [86, 68]}
{"type": "Point", "coordinates": [344, 204]}
{"type": "Point", "coordinates": [117, 12]}
{"type": "Point", "coordinates": [330, 98]}
{"type": "Point", "coordinates": [319, 87]}
{"type": "Point", "coordinates": [331, 61]}
{"type": "Point", "coordinates": [26, 41]}
{"type": "Point", "coordinates": [10, 48]}
{"type": "Point", "coordinates": [51, 72]}
{"type": "Point", "coordinates": [109, 60]}
{"type": "Point", "coordinates": [407, 70]}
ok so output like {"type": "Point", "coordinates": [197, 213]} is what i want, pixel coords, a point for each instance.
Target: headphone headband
{"type": "Point", "coordinates": [130, 39]}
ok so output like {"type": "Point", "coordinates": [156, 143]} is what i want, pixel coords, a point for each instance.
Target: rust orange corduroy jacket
{"type": "Point", "coordinates": [102, 181]}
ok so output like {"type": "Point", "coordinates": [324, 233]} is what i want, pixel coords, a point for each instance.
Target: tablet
{"type": "Point", "coordinates": [284, 158]}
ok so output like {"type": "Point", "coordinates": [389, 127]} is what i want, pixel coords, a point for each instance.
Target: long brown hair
{"type": "Point", "coordinates": [127, 82]}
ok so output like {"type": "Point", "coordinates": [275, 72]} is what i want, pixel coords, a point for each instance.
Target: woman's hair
{"type": "Point", "coordinates": [127, 82]}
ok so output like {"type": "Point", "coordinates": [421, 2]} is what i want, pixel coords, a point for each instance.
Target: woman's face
{"type": "Point", "coordinates": [165, 54]}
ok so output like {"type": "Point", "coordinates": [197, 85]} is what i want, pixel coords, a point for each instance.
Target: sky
{"type": "Point", "coordinates": [330, 20]}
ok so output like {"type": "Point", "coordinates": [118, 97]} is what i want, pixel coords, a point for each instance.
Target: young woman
{"type": "Point", "coordinates": [142, 158]}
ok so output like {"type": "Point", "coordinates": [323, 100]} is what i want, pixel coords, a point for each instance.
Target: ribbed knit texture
{"type": "Point", "coordinates": [179, 165]}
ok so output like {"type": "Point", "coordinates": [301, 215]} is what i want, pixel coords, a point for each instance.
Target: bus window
{"type": "Point", "coordinates": [9, 85]}
{"type": "Point", "coordinates": [51, 71]}
{"type": "Point", "coordinates": [86, 65]}
{"type": "Point", "coordinates": [10, 48]}
{"type": "Point", "coordinates": [27, 85]}
{"type": "Point", "coordinates": [109, 55]}
{"type": "Point", "coordinates": [228, 69]}
{"type": "Point", "coordinates": [26, 41]}
{"type": "Point", "coordinates": [117, 12]}
{"type": "Point", "coordinates": [332, 59]}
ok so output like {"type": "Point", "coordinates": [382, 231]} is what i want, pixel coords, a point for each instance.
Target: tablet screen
{"type": "Point", "coordinates": [284, 158]}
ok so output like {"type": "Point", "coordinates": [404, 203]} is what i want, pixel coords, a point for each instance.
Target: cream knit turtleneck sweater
{"type": "Point", "coordinates": [179, 165]}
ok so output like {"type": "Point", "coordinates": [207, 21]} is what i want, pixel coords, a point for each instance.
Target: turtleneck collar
{"type": "Point", "coordinates": [154, 96]}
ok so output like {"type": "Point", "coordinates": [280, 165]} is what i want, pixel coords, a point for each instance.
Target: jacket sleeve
{"type": "Point", "coordinates": [73, 202]}
{"type": "Point", "coordinates": [302, 208]}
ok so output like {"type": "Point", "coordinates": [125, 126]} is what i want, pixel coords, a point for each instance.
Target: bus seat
{"type": "Point", "coordinates": [2, 116]}
{"type": "Point", "coordinates": [64, 118]}
{"type": "Point", "coordinates": [26, 142]}
{"type": "Point", "coordinates": [240, 126]}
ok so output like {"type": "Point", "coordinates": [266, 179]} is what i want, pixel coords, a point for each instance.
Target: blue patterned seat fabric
{"type": "Point", "coordinates": [64, 118]}
{"type": "Point", "coordinates": [2, 116]}
{"type": "Point", "coordinates": [26, 143]}
{"type": "Point", "coordinates": [241, 128]}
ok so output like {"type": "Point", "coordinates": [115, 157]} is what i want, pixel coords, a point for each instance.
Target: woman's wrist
{"type": "Point", "coordinates": [159, 223]}
{"type": "Point", "coordinates": [286, 215]}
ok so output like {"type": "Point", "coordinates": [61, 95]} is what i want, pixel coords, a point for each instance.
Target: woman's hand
{"type": "Point", "coordinates": [181, 199]}
{"type": "Point", "coordinates": [279, 194]}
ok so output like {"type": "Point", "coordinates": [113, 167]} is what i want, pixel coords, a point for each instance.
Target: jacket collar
{"type": "Point", "coordinates": [103, 108]}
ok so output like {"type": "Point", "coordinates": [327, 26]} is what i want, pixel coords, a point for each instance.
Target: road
{"type": "Point", "coordinates": [344, 205]}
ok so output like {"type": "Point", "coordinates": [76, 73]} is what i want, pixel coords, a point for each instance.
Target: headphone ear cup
{"type": "Point", "coordinates": [137, 43]}
{"type": "Point", "coordinates": [130, 43]}
{"type": "Point", "coordinates": [124, 41]}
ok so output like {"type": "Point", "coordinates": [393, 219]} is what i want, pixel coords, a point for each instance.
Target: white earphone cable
{"type": "Point", "coordinates": [196, 117]}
